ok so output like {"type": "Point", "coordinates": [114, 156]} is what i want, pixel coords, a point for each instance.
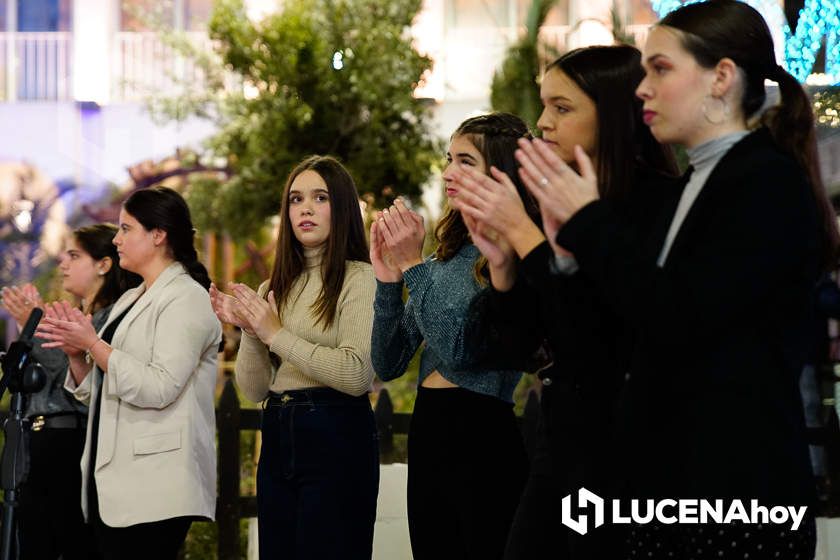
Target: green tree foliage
{"type": "Point", "coordinates": [515, 87]}
{"type": "Point", "coordinates": [321, 76]}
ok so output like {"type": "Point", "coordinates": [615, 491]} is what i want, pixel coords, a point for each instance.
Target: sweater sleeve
{"type": "Point", "coordinates": [441, 320]}
{"type": "Point", "coordinates": [395, 337]}
{"type": "Point", "coordinates": [253, 370]}
{"type": "Point", "coordinates": [347, 367]}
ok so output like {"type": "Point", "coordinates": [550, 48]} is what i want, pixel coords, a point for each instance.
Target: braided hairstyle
{"type": "Point", "coordinates": [164, 209]}
{"type": "Point", "coordinates": [495, 136]}
{"type": "Point", "coordinates": [711, 31]}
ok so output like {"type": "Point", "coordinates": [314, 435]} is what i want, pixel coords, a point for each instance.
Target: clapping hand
{"type": "Point", "coordinates": [560, 191]}
{"type": "Point", "coordinates": [259, 316]}
{"type": "Point", "coordinates": [224, 306]}
{"type": "Point", "coordinates": [403, 232]}
{"type": "Point", "coordinates": [65, 327]}
{"type": "Point", "coordinates": [384, 267]}
{"type": "Point", "coordinates": [19, 301]}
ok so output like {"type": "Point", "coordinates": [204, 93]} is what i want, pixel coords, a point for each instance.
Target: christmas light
{"type": "Point", "coordinates": [818, 20]}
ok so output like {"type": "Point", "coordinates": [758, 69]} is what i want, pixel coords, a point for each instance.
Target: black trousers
{"type": "Point", "coordinates": [467, 466]}
{"type": "Point", "coordinates": [144, 541]}
{"type": "Point", "coordinates": [50, 521]}
{"type": "Point", "coordinates": [569, 454]}
{"type": "Point", "coordinates": [318, 476]}
{"type": "Point", "coordinates": [156, 539]}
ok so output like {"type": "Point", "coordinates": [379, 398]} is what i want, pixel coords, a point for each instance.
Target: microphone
{"type": "Point", "coordinates": [31, 323]}
{"type": "Point", "coordinates": [18, 354]}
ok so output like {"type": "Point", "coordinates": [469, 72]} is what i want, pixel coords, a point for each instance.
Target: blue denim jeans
{"type": "Point", "coordinates": [318, 476]}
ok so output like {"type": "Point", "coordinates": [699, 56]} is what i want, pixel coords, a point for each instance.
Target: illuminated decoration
{"type": "Point", "coordinates": [827, 107]}
{"type": "Point", "coordinates": [818, 20]}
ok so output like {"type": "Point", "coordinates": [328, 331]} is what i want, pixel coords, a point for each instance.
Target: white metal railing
{"type": "Point", "coordinates": [143, 64]}
{"type": "Point", "coordinates": [35, 66]}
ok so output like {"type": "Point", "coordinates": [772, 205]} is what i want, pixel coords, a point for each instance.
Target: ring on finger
{"type": "Point", "coordinates": [543, 182]}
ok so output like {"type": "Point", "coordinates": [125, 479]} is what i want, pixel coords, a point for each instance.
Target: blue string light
{"type": "Point", "coordinates": [818, 20]}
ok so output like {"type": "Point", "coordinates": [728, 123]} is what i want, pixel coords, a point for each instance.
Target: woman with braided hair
{"type": "Point", "coordinates": [149, 465]}
{"type": "Point", "coordinates": [467, 462]}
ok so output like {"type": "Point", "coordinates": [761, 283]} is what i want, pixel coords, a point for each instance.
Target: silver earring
{"type": "Point", "coordinates": [723, 109]}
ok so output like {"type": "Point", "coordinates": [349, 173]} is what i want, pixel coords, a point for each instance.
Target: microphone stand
{"type": "Point", "coordinates": [22, 376]}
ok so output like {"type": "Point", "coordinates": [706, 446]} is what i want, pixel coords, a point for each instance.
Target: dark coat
{"type": "Point", "coordinates": [588, 344]}
{"type": "Point", "coordinates": [711, 407]}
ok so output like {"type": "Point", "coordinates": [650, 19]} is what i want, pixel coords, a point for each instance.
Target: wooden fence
{"type": "Point", "coordinates": [231, 419]}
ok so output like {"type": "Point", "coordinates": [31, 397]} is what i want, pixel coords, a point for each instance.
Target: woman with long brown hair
{"type": "Point", "coordinates": [466, 458]}
{"type": "Point", "coordinates": [305, 353]}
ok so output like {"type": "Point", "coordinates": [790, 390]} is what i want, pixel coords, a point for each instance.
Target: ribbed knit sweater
{"type": "Point", "coordinates": [309, 354]}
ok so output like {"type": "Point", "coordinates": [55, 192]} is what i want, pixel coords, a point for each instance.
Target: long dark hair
{"type": "Point", "coordinates": [346, 241]}
{"type": "Point", "coordinates": [711, 31]}
{"type": "Point", "coordinates": [164, 209]}
{"type": "Point", "coordinates": [609, 76]}
{"type": "Point", "coordinates": [97, 241]}
{"type": "Point", "coordinates": [494, 135]}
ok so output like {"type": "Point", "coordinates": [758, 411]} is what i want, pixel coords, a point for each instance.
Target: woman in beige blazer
{"type": "Point", "coordinates": [149, 465]}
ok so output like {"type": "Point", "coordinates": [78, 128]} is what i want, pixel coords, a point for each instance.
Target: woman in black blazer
{"type": "Point", "coordinates": [720, 316]}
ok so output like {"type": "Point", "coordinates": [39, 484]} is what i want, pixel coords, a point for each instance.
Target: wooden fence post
{"type": "Point", "coordinates": [384, 415]}
{"type": "Point", "coordinates": [228, 506]}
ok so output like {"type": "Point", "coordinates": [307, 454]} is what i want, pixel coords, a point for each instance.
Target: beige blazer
{"type": "Point", "coordinates": [156, 452]}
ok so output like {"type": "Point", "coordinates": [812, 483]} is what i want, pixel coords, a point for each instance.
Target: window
{"type": "Point", "coordinates": [43, 15]}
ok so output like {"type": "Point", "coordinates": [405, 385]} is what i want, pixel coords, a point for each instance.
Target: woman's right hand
{"type": "Point", "coordinates": [383, 263]}
{"type": "Point", "coordinates": [224, 306]}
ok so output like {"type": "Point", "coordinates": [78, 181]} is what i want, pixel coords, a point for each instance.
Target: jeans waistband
{"type": "Point", "coordinates": [314, 396]}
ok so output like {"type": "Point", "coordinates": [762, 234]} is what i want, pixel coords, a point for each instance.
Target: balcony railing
{"type": "Point", "coordinates": [144, 63]}
{"type": "Point", "coordinates": [36, 66]}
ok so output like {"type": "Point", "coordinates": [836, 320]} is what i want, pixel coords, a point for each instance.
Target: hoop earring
{"type": "Point", "coordinates": [724, 110]}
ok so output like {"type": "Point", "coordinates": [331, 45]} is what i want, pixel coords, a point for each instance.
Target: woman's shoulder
{"type": "Point", "coordinates": [759, 154]}
{"type": "Point", "coordinates": [358, 268]}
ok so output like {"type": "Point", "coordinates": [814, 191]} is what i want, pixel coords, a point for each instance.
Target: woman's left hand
{"type": "Point", "coordinates": [259, 314]}
{"type": "Point", "coordinates": [559, 190]}
{"type": "Point", "coordinates": [403, 232]}
{"type": "Point", "coordinates": [66, 328]}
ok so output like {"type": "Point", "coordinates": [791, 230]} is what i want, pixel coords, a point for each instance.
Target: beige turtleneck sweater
{"type": "Point", "coordinates": [310, 355]}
